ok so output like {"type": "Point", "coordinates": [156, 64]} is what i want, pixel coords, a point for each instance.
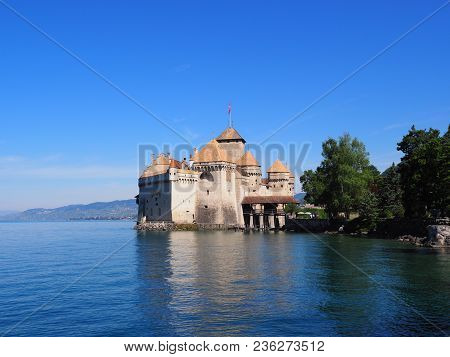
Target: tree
{"type": "Point", "coordinates": [369, 211]}
{"type": "Point", "coordinates": [421, 172]}
{"type": "Point", "coordinates": [343, 177]}
{"type": "Point", "coordinates": [390, 194]}
{"type": "Point", "coordinates": [444, 174]}
{"type": "Point", "coordinates": [291, 208]}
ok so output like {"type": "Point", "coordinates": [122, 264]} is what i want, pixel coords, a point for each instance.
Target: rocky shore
{"type": "Point", "coordinates": [437, 236]}
{"type": "Point", "coordinates": [416, 232]}
{"type": "Point", "coordinates": [420, 232]}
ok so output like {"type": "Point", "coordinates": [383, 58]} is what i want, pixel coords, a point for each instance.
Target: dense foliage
{"type": "Point", "coordinates": [424, 173]}
{"type": "Point", "coordinates": [291, 208]}
{"type": "Point", "coordinates": [390, 193]}
{"type": "Point", "coordinates": [343, 178]}
{"type": "Point", "coordinates": [419, 186]}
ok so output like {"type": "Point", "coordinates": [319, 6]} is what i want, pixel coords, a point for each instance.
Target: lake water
{"type": "Point", "coordinates": [105, 279]}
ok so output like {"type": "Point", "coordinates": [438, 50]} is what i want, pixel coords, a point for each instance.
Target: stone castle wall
{"type": "Point", "coordinates": [216, 194]}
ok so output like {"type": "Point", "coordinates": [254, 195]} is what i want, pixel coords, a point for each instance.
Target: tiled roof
{"type": "Point", "coordinates": [211, 152]}
{"type": "Point", "coordinates": [278, 167]}
{"type": "Point", "coordinates": [159, 166]}
{"type": "Point", "coordinates": [154, 170]}
{"type": "Point", "coordinates": [161, 159]}
{"type": "Point", "coordinates": [175, 164]}
{"type": "Point", "coordinates": [268, 199]}
{"type": "Point", "coordinates": [247, 160]}
{"type": "Point", "coordinates": [230, 134]}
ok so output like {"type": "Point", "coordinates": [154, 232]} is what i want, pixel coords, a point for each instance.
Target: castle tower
{"type": "Point", "coordinates": [279, 178]}
{"type": "Point", "coordinates": [232, 143]}
{"type": "Point", "coordinates": [216, 195]}
{"type": "Point", "coordinates": [249, 167]}
{"type": "Point", "coordinates": [291, 183]}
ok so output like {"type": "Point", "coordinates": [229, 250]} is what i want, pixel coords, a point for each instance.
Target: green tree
{"type": "Point", "coordinates": [369, 210]}
{"type": "Point", "coordinates": [421, 172]}
{"type": "Point", "coordinates": [291, 208]}
{"type": "Point", "coordinates": [343, 177]}
{"type": "Point", "coordinates": [389, 193]}
{"type": "Point", "coordinates": [444, 174]}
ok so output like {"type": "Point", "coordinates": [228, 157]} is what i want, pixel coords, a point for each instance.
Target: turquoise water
{"type": "Point", "coordinates": [105, 279]}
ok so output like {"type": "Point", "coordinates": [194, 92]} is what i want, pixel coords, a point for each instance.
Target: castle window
{"type": "Point", "coordinates": [207, 176]}
{"type": "Point", "coordinates": [207, 192]}
{"type": "Point", "coordinates": [156, 204]}
{"type": "Point", "coordinates": [206, 206]}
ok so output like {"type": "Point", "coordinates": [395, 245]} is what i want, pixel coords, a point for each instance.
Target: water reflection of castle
{"type": "Point", "coordinates": [200, 283]}
{"type": "Point", "coordinates": [221, 185]}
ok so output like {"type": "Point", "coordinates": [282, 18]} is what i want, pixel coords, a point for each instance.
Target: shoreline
{"type": "Point", "coordinates": [438, 236]}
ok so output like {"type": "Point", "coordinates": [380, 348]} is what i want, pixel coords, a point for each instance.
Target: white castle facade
{"type": "Point", "coordinates": [221, 186]}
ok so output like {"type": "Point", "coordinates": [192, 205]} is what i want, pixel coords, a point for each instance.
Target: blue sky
{"type": "Point", "coordinates": [66, 136]}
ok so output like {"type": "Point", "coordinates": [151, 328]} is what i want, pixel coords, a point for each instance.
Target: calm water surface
{"type": "Point", "coordinates": [105, 279]}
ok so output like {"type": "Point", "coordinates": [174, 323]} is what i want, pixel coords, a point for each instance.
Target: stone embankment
{"type": "Point", "coordinates": [171, 226]}
{"type": "Point", "coordinates": [313, 225]}
{"type": "Point", "coordinates": [155, 226]}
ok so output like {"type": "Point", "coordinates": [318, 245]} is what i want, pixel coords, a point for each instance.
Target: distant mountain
{"type": "Point", "coordinates": [125, 209]}
{"type": "Point", "coordinates": [115, 210]}
{"type": "Point", "coordinates": [300, 197]}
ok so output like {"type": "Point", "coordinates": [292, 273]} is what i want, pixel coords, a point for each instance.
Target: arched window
{"type": "Point", "coordinates": [207, 176]}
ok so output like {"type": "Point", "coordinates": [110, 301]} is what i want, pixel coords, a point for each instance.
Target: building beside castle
{"type": "Point", "coordinates": [221, 186]}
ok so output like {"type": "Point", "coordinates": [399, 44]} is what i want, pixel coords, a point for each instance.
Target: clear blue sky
{"type": "Point", "coordinates": [68, 137]}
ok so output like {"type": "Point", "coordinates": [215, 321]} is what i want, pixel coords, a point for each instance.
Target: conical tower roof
{"type": "Point", "coordinates": [211, 152]}
{"type": "Point", "coordinates": [278, 167]}
{"type": "Point", "coordinates": [247, 160]}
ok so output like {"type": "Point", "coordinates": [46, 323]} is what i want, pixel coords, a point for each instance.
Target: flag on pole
{"type": "Point", "coordinates": [229, 108]}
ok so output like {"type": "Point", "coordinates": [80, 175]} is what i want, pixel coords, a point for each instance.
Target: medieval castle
{"type": "Point", "coordinates": [221, 186]}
